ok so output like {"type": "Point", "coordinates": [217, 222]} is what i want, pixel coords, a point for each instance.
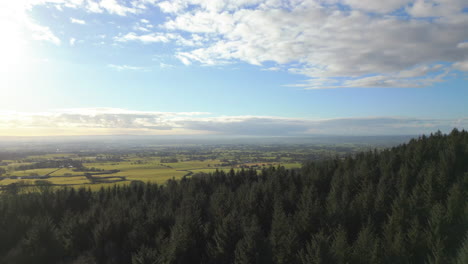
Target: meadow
{"type": "Point", "coordinates": [106, 169]}
{"type": "Point", "coordinates": [95, 168]}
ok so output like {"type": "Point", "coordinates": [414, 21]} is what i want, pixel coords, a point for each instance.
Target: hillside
{"type": "Point", "coordinates": [401, 205]}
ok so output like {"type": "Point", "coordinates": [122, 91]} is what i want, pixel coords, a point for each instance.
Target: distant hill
{"type": "Point", "coordinates": [125, 142]}
{"type": "Point", "coordinates": [407, 204]}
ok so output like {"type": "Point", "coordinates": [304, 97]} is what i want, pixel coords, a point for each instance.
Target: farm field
{"type": "Point", "coordinates": [126, 174]}
{"type": "Point", "coordinates": [156, 164]}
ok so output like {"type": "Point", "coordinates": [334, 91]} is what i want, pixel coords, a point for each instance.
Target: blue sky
{"type": "Point", "coordinates": [246, 67]}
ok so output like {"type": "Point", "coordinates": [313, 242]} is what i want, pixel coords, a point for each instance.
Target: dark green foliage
{"type": "Point", "coordinates": [40, 244]}
{"type": "Point", "coordinates": [407, 204]}
{"type": "Point", "coordinates": [462, 256]}
{"type": "Point", "coordinates": [253, 247]}
{"type": "Point", "coordinates": [317, 250]}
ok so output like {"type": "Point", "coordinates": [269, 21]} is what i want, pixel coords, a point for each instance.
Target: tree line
{"type": "Point", "coordinates": [406, 204]}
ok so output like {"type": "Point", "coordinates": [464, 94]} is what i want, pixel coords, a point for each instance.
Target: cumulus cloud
{"type": "Point", "coordinates": [422, 76]}
{"type": "Point", "coordinates": [145, 38]}
{"type": "Point", "coordinates": [141, 122]}
{"type": "Point", "coordinates": [333, 43]}
{"type": "Point", "coordinates": [367, 43]}
{"type": "Point", "coordinates": [94, 118]}
{"type": "Point", "coordinates": [77, 21]}
{"type": "Point", "coordinates": [115, 7]}
{"type": "Point", "coordinates": [376, 6]}
{"type": "Point", "coordinates": [160, 37]}
{"type": "Point", "coordinates": [436, 8]}
{"type": "Point", "coordinates": [140, 28]}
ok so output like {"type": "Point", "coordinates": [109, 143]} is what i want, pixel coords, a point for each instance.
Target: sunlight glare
{"type": "Point", "coordinates": [14, 55]}
{"type": "Point", "coordinates": [12, 49]}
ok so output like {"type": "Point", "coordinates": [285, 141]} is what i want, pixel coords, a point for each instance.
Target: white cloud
{"type": "Point", "coordinates": [184, 60]}
{"type": "Point", "coordinates": [140, 28]}
{"type": "Point", "coordinates": [93, 7]}
{"type": "Point", "coordinates": [165, 65]}
{"type": "Point", "coordinates": [72, 41]}
{"type": "Point", "coordinates": [17, 27]}
{"type": "Point", "coordinates": [126, 67]}
{"type": "Point", "coordinates": [43, 33]}
{"type": "Point", "coordinates": [140, 122]}
{"type": "Point", "coordinates": [324, 42]}
{"type": "Point", "coordinates": [436, 8]}
{"type": "Point", "coordinates": [419, 71]}
{"type": "Point", "coordinates": [377, 6]}
{"type": "Point", "coordinates": [417, 77]}
{"type": "Point", "coordinates": [334, 43]}
{"type": "Point", "coordinates": [146, 38]}
{"type": "Point", "coordinates": [272, 69]}
{"type": "Point", "coordinates": [160, 37]}
{"type": "Point", "coordinates": [117, 7]}
{"type": "Point", "coordinates": [172, 6]}
{"type": "Point", "coordinates": [77, 21]}
{"type": "Point", "coordinates": [114, 7]}
{"type": "Point", "coordinates": [461, 65]}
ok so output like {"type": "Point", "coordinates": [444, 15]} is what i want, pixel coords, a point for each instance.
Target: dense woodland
{"type": "Point", "coordinates": [402, 205]}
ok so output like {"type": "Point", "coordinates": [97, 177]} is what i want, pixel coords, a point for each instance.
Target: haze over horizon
{"type": "Point", "coordinates": [238, 68]}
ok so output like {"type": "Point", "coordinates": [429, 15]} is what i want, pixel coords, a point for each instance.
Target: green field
{"type": "Point", "coordinates": [153, 164]}
{"type": "Point", "coordinates": [124, 171]}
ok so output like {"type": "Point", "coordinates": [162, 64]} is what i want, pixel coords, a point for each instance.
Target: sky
{"type": "Point", "coordinates": [245, 67]}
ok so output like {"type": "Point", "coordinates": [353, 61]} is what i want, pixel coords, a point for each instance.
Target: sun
{"type": "Point", "coordinates": [13, 45]}
{"type": "Point", "coordinates": [14, 51]}
{"type": "Point", "coordinates": [13, 63]}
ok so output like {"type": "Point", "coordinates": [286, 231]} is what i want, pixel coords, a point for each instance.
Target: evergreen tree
{"type": "Point", "coordinates": [402, 205]}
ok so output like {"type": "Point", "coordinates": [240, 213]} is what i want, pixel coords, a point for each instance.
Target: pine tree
{"type": "Point", "coordinates": [317, 250]}
{"type": "Point", "coordinates": [462, 256]}
{"type": "Point", "coordinates": [366, 249]}
{"type": "Point", "coordinates": [253, 248]}
{"type": "Point", "coordinates": [283, 237]}
{"type": "Point", "coordinates": [225, 237]}
{"type": "Point", "coordinates": [339, 248]}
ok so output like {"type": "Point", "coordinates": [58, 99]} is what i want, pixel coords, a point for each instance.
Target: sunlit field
{"type": "Point", "coordinates": [98, 173]}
